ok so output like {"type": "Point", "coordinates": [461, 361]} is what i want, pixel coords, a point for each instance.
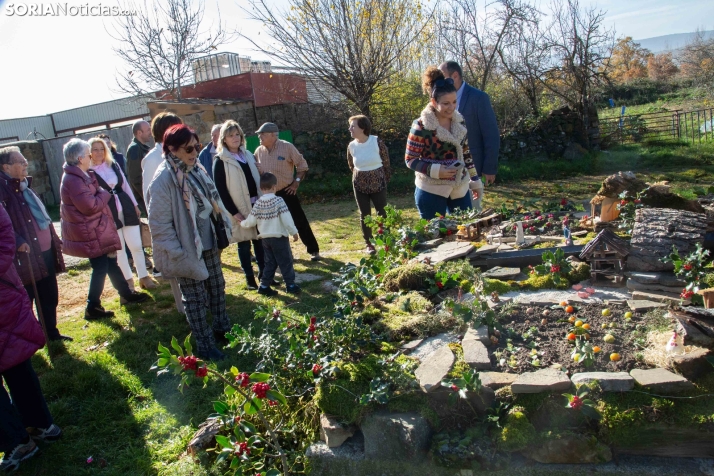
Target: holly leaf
{"type": "Point", "coordinates": [259, 377]}
{"type": "Point", "coordinates": [276, 397]}
{"type": "Point", "coordinates": [176, 346]}
{"type": "Point", "coordinates": [224, 441]}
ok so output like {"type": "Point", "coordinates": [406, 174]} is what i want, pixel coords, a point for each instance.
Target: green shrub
{"type": "Point", "coordinates": [516, 434]}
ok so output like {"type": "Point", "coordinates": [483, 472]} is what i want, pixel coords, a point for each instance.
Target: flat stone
{"type": "Point", "coordinates": [428, 346]}
{"type": "Point", "coordinates": [496, 305]}
{"type": "Point", "coordinates": [691, 334]}
{"type": "Point", "coordinates": [505, 247]}
{"type": "Point", "coordinates": [332, 432]}
{"type": "Point", "coordinates": [485, 249]}
{"type": "Point", "coordinates": [427, 245]}
{"type": "Point", "coordinates": [544, 380]}
{"type": "Point", "coordinates": [496, 380]}
{"type": "Point", "coordinates": [644, 278]}
{"type": "Point", "coordinates": [329, 286]}
{"type": "Point", "coordinates": [642, 305]}
{"type": "Point", "coordinates": [670, 279]}
{"type": "Point", "coordinates": [447, 251]}
{"type": "Point", "coordinates": [504, 274]}
{"type": "Point", "coordinates": [411, 345]}
{"type": "Point", "coordinates": [476, 354]}
{"type": "Point", "coordinates": [633, 285]}
{"type": "Point", "coordinates": [480, 334]}
{"type": "Point", "coordinates": [575, 449]}
{"type": "Point", "coordinates": [660, 296]}
{"type": "Point", "coordinates": [661, 381]}
{"type": "Point", "coordinates": [694, 364]}
{"type": "Point", "coordinates": [430, 372]}
{"type": "Point", "coordinates": [306, 277]}
{"type": "Point", "coordinates": [608, 381]}
{"type": "Point", "coordinates": [395, 436]}
{"type": "Point", "coordinates": [444, 407]}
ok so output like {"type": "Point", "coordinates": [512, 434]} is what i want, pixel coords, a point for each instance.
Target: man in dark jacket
{"type": "Point", "coordinates": [484, 137]}
{"type": "Point", "coordinates": [138, 148]}
{"type": "Point", "coordinates": [37, 243]}
{"type": "Point", "coordinates": [20, 337]}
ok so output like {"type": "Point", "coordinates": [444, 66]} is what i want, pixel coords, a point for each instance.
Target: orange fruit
{"type": "Point", "coordinates": [571, 319]}
{"type": "Point", "coordinates": [564, 303]}
{"type": "Point", "coordinates": [571, 336]}
{"type": "Point", "coordinates": [586, 327]}
{"type": "Point", "coordinates": [615, 357]}
{"type": "Point", "coordinates": [570, 309]}
{"type": "Point", "coordinates": [596, 349]}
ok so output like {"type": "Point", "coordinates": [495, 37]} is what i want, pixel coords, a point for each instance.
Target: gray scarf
{"type": "Point", "coordinates": [39, 213]}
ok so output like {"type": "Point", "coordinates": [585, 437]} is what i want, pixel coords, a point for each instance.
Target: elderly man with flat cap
{"type": "Point", "coordinates": [283, 160]}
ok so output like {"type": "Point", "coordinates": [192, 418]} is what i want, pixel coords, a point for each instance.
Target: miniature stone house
{"type": "Point", "coordinates": [606, 254]}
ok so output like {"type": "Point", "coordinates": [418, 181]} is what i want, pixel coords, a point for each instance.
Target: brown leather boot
{"type": "Point", "coordinates": [147, 283]}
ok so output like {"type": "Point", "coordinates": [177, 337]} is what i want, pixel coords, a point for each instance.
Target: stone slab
{"type": "Point", "coordinates": [332, 432]}
{"type": "Point", "coordinates": [411, 345]}
{"type": "Point", "coordinates": [544, 380]}
{"type": "Point", "coordinates": [694, 364]}
{"type": "Point", "coordinates": [447, 251]}
{"type": "Point", "coordinates": [496, 380]}
{"type": "Point", "coordinates": [306, 277]}
{"type": "Point", "coordinates": [496, 305]}
{"type": "Point", "coordinates": [476, 354]}
{"type": "Point", "coordinates": [642, 305]}
{"type": "Point", "coordinates": [576, 449]}
{"type": "Point", "coordinates": [485, 249]}
{"type": "Point", "coordinates": [663, 278]}
{"type": "Point", "coordinates": [427, 245]}
{"type": "Point", "coordinates": [430, 345]}
{"type": "Point", "coordinates": [661, 296]}
{"type": "Point", "coordinates": [480, 334]}
{"type": "Point", "coordinates": [670, 279]}
{"type": "Point", "coordinates": [608, 381]}
{"type": "Point", "coordinates": [431, 371]}
{"type": "Point", "coordinates": [661, 381]}
{"type": "Point", "coordinates": [633, 285]}
{"type": "Point", "coordinates": [693, 334]}
{"type": "Point", "coordinates": [503, 274]}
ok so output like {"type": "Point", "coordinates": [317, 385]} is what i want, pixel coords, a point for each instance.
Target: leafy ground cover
{"type": "Point", "coordinates": [117, 411]}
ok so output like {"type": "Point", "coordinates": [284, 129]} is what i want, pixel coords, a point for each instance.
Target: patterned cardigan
{"type": "Point", "coordinates": [430, 147]}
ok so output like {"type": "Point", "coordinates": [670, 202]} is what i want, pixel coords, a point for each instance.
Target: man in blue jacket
{"type": "Point", "coordinates": [484, 137]}
{"type": "Point", "coordinates": [209, 152]}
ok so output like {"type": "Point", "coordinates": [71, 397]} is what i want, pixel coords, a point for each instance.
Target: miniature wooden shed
{"type": "Point", "coordinates": [606, 255]}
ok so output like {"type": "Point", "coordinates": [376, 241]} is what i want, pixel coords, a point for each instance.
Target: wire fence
{"type": "Point", "coordinates": [693, 127]}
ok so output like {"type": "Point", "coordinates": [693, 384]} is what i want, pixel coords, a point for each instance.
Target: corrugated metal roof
{"type": "Point", "coordinates": [19, 129]}
{"type": "Point", "coordinates": [102, 113]}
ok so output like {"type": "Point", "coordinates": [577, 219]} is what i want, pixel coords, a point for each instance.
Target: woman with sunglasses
{"type": "Point", "coordinates": [183, 203]}
{"type": "Point", "coordinates": [438, 151]}
{"type": "Point", "coordinates": [238, 183]}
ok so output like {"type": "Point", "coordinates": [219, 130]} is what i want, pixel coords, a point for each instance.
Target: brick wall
{"type": "Point", "coordinates": [37, 168]}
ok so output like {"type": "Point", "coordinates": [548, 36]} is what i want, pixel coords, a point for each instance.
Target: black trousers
{"type": "Point", "coordinates": [28, 407]}
{"type": "Point", "coordinates": [379, 200]}
{"type": "Point", "coordinates": [301, 223]}
{"type": "Point", "coordinates": [277, 254]}
{"type": "Point", "coordinates": [49, 296]}
{"type": "Point", "coordinates": [101, 267]}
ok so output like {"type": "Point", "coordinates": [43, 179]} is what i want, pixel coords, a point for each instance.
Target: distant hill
{"type": "Point", "coordinates": [659, 44]}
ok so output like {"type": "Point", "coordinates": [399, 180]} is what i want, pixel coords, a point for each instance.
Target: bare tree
{"type": "Point", "coordinates": [159, 44]}
{"type": "Point", "coordinates": [696, 60]}
{"type": "Point", "coordinates": [473, 36]}
{"type": "Point", "coordinates": [524, 56]}
{"type": "Point", "coordinates": [354, 47]}
{"type": "Point", "coordinates": [579, 46]}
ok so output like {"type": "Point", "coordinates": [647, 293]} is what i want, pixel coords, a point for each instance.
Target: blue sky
{"type": "Point", "coordinates": [61, 62]}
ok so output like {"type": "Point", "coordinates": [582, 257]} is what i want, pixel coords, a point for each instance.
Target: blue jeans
{"type": "Point", "coordinates": [101, 267]}
{"type": "Point", "coordinates": [278, 254]}
{"type": "Point", "coordinates": [430, 204]}
{"type": "Point", "coordinates": [244, 257]}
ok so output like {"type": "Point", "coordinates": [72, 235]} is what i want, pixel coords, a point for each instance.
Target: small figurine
{"type": "Point", "coordinates": [566, 233]}
{"type": "Point", "coordinates": [520, 237]}
{"type": "Point", "coordinates": [674, 346]}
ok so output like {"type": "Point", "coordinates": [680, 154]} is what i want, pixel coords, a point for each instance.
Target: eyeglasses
{"type": "Point", "coordinates": [190, 148]}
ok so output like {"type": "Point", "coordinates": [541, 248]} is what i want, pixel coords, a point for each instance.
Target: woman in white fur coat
{"type": "Point", "coordinates": [438, 151]}
{"type": "Point", "coordinates": [238, 183]}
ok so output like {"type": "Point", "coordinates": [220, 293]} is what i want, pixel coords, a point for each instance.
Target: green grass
{"type": "Point", "coordinates": [113, 408]}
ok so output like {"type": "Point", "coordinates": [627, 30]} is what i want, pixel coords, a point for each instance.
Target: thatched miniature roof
{"type": "Point", "coordinates": [609, 238]}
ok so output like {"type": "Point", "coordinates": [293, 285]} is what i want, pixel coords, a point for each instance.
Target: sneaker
{"type": "Point", "coordinates": [97, 312]}
{"type": "Point", "coordinates": [53, 433]}
{"type": "Point", "coordinates": [274, 283]}
{"type": "Point", "coordinates": [156, 273]}
{"type": "Point", "coordinates": [315, 257]}
{"type": "Point", "coordinates": [266, 291]}
{"type": "Point", "coordinates": [250, 283]}
{"type": "Point", "coordinates": [133, 298]}
{"type": "Point", "coordinates": [60, 337]}
{"type": "Point", "coordinates": [213, 354]}
{"type": "Point", "coordinates": [293, 289]}
{"type": "Point", "coordinates": [370, 249]}
{"type": "Point", "coordinates": [11, 461]}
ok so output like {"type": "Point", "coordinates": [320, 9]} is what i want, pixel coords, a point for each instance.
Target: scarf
{"type": "Point", "coordinates": [39, 213]}
{"type": "Point", "coordinates": [191, 193]}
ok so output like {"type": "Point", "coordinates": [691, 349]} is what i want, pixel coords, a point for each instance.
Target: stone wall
{"type": "Point", "coordinates": [37, 168]}
{"type": "Point", "coordinates": [561, 134]}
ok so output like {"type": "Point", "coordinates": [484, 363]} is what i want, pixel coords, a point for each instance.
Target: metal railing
{"type": "Point", "coordinates": [688, 126]}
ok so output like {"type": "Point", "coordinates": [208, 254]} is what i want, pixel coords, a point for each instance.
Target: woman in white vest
{"type": "Point", "coordinates": [368, 159]}
{"type": "Point", "coordinates": [238, 184]}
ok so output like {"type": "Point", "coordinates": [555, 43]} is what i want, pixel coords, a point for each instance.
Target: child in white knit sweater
{"type": "Point", "coordinates": [275, 225]}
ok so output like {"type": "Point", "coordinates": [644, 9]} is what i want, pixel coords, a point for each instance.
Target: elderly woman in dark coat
{"type": "Point", "coordinates": [88, 229]}
{"type": "Point", "coordinates": [20, 337]}
{"type": "Point", "coordinates": [183, 206]}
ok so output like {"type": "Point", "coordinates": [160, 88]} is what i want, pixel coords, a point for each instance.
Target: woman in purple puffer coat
{"type": "Point", "coordinates": [20, 337]}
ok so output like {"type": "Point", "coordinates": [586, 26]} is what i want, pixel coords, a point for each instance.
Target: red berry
{"type": "Point", "coordinates": [242, 448]}
{"type": "Point", "coordinates": [311, 329]}
{"type": "Point", "coordinates": [261, 389]}
{"type": "Point", "coordinates": [687, 267]}
{"type": "Point", "coordinates": [637, 200]}
{"type": "Point", "coordinates": [454, 388]}
{"type": "Point", "coordinates": [316, 369]}
{"type": "Point", "coordinates": [623, 203]}
{"type": "Point", "coordinates": [189, 362]}
{"type": "Point", "coordinates": [564, 202]}
{"type": "Point", "coordinates": [202, 372]}
{"type": "Point", "coordinates": [380, 231]}
{"type": "Point", "coordinates": [243, 379]}
{"type": "Point", "coordinates": [313, 320]}
{"type": "Point", "coordinates": [448, 232]}
{"type": "Point", "coordinates": [386, 248]}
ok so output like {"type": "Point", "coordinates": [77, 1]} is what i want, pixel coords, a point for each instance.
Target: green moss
{"type": "Point", "coordinates": [462, 268]}
{"type": "Point", "coordinates": [340, 397]}
{"type": "Point", "coordinates": [370, 314]}
{"type": "Point", "coordinates": [579, 272]}
{"type": "Point", "coordinates": [491, 285]}
{"type": "Point", "coordinates": [414, 402]}
{"type": "Point", "coordinates": [460, 367]}
{"type": "Point", "coordinates": [535, 283]}
{"type": "Point", "coordinates": [388, 347]}
{"type": "Point", "coordinates": [516, 434]}
{"type": "Point", "coordinates": [412, 302]}
{"type": "Point", "coordinates": [409, 277]}
{"type": "Point", "coordinates": [708, 280]}
{"type": "Point", "coordinates": [400, 325]}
